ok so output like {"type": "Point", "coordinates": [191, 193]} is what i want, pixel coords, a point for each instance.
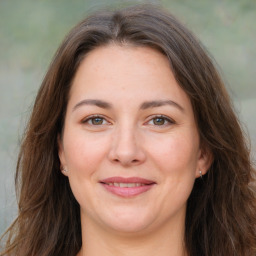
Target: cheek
{"type": "Point", "coordinates": [84, 156]}
{"type": "Point", "coordinates": [176, 153]}
{"type": "Point", "coordinates": [83, 153]}
{"type": "Point", "coordinates": [175, 158]}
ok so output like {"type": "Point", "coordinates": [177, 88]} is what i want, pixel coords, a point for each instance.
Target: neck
{"type": "Point", "coordinates": [166, 241]}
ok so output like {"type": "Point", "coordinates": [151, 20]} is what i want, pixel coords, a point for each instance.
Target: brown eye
{"type": "Point", "coordinates": [97, 120]}
{"type": "Point", "coordinates": [159, 121]}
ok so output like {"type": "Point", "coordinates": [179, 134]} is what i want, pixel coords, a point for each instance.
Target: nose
{"type": "Point", "coordinates": [126, 147]}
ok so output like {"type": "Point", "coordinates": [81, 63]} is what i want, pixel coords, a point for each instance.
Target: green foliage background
{"type": "Point", "coordinates": [30, 32]}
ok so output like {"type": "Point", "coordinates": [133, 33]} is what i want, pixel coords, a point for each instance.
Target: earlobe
{"type": "Point", "coordinates": [205, 159]}
{"type": "Point", "coordinates": [62, 156]}
{"type": "Point", "coordinates": [64, 171]}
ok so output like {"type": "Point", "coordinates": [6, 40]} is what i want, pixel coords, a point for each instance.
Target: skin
{"type": "Point", "coordinates": [128, 139]}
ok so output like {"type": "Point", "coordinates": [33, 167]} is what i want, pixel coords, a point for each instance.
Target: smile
{"type": "Point", "coordinates": [127, 187]}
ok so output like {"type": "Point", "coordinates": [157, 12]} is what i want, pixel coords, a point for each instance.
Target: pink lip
{"type": "Point", "coordinates": [127, 191]}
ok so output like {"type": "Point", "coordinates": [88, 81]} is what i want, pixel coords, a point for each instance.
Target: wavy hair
{"type": "Point", "coordinates": [221, 210]}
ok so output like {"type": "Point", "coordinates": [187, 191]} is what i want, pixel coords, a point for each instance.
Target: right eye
{"type": "Point", "coordinates": [95, 120]}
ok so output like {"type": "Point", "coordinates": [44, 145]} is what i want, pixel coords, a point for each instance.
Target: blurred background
{"type": "Point", "coordinates": [31, 31]}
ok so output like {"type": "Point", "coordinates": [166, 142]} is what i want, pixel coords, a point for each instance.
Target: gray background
{"type": "Point", "coordinates": [31, 30]}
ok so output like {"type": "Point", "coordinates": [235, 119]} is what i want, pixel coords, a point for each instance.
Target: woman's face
{"type": "Point", "coordinates": [130, 143]}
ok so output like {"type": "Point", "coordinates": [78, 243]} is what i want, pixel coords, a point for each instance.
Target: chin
{"type": "Point", "coordinates": [129, 227]}
{"type": "Point", "coordinates": [129, 222]}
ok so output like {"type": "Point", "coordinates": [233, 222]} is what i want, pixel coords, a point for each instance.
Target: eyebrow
{"type": "Point", "coordinates": [160, 103]}
{"type": "Point", "coordinates": [144, 105]}
{"type": "Point", "coordinates": [98, 103]}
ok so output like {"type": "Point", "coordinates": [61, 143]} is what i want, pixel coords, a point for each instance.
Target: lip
{"type": "Point", "coordinates": [136, 185]}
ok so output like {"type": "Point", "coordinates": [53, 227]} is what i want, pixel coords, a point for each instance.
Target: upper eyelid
{"type": "Point", "coordinates": [94, 116]}
{"type": "Point", "coordinates": [171, 120]}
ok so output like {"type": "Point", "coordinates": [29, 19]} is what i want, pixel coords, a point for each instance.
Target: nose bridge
{"type": "Point", "coordinates": [126, 138]}
{"type": "Point", "coordinates": [126, 147]}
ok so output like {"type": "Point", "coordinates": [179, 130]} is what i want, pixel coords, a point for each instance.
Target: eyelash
{"type": "Point", "coordinates": [167, 120]}
{"type": "Point", "coordinates": [89, 120]}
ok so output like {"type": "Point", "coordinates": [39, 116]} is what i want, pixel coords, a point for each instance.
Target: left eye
{"type": "Point", "coordinates": [160, 121]}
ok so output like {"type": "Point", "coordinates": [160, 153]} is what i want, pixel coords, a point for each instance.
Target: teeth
{"type": "Point", "coordinates": [123, 185]}
{"type": "Point", "coordinates": [126, 185]}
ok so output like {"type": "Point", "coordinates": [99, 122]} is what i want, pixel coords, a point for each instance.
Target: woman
{"type": "Point", "coordinates": [133, 148]}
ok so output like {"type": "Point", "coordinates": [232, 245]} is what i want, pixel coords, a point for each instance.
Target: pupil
{"type": "Point", "coordinates": [97, 120]}
{"type": "Point", "coordinates": [159, 121]}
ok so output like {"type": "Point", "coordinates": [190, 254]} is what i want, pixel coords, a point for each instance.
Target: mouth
{"type": "Point", "coordinates": [127, 187]}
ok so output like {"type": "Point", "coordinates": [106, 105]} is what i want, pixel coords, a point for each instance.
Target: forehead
{"type": "Point", "coordinates": [126, 72]}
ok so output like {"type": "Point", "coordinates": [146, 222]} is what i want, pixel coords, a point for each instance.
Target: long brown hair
{"type": "Point", "coordinates": [221, 210]}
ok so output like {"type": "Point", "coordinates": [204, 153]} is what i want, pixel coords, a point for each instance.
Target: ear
{"type": "Point", "coordinates": [63, 166]}
{"type": "Point", "coordinates": [204, 162]}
